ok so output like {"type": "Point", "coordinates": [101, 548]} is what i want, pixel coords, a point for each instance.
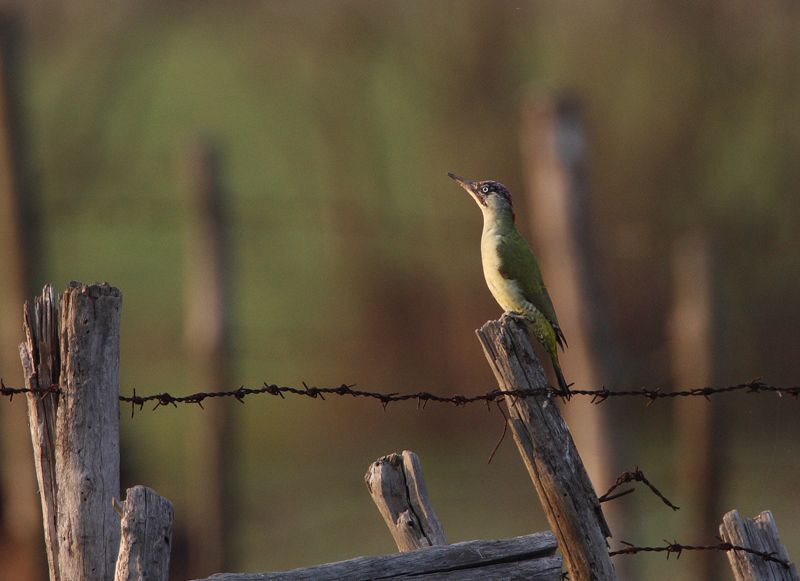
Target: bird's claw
{"type": "Point", "coordinates": [515, 316]}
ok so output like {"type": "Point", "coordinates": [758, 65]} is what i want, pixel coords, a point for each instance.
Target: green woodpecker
{"type": "Point", "coordinates": [511, 270]}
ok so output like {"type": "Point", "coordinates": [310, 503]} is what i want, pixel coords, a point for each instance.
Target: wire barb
{"type": "Point", "coordinates": [634, 475]}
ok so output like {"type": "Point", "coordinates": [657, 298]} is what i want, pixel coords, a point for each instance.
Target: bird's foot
{"type": "Point", "coordinates": [514, 316]}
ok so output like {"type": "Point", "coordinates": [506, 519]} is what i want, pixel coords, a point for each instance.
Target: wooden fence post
{"type": "Point", "coordinates": [146, 536]}
{"type": "Point", "coordinates": [555, 156]}
{"type": "Point", "coordinates": [208, 340]}
{"type": "Point", "coordinates": [397, 486]}
{"type": "Point", "coordinates": [700, 444]}
{"type": "Point", "coordinates": [549, 454]}
{"type": "Point", "coordinates": [759, 533]}
{"type": "Point", "coordinates": [20, 526]}
{"type": "Point", "coordinates": [75, 433]}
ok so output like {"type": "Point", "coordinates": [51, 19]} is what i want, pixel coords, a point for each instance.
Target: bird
{"type": "Point", "coordinates": [511, 270]}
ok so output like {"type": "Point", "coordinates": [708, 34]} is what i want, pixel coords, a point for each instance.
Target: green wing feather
{"type": "Point", "coordinates": [518, 263]}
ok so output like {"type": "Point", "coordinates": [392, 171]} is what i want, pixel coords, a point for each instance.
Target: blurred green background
{"type": "Point", "coordinates": [356, 260]}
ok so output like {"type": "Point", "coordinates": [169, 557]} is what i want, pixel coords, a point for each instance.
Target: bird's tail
{"type": "Point", "coordinates": [562, 383]}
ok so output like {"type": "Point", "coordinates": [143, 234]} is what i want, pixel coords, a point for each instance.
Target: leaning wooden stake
{"type": "Point", "coordinates": [759, 533]}
{"type": "Point", "coordinates": [146, 536]}
{"type": "Point", "coordinates": [398, 488]}
{"type": "Point", "coordinates": [76, 433]}
{"type": "Point", "coordinates": [546, 446]}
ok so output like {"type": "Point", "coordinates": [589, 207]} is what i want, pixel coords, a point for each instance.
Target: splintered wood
{"type": "Point", "coordinates": [761, 534]}
{"type": "Point", "coordinates": [146, 536]}
{"type": "Point", "coordinates": [399, 491]}
{"type": "Point", "coordinates": [75, 433]}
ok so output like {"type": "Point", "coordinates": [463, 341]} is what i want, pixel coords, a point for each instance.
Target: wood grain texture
{"type": "Point", "coordinates": [87, 432]}
{"type": "Point", "coordinates": [76, 434]}
{"type": "Point", "coordinates": [545, 444]}
{"type": "Point", "coordinates": [146, 536]}
{"type": "Point", "coordinates": [40, 363]}
{"type": "Point", "coordinates": [530, 555]}
{"type": "Point", "coordinates": [397, 486]}
{"type": "Point", "coordinates": [759, 533]}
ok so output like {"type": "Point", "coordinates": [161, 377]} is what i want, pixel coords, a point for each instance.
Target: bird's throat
{"type": "Point", "coordinates": [497, 220]}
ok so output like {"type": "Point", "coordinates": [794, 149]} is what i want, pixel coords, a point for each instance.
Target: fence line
{"type": "Point", "coordinates": [597, 396]}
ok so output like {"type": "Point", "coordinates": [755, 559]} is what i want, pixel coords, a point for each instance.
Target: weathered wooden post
{"type": "Point", "coordinates": [20, 526]}
{"type": "Point", "coordinates": [759, 533]}
{"type": "Point", "coordinates": [398, 488]}
{"type": "Point", "coordinates": [555, 150]}
{"type": "Point", "coordinates": [146, 536]}
{"type": "Point", "coordinates": [700, 442]}
{"type": "Point", "coordinates": [545, 444]}
{"type": "Point", "coordinates": [208, 342]}
{"type": "Point", "coordinates": [75, 432]}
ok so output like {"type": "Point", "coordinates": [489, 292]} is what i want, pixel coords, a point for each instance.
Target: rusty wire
{"type": "Point", "coordinates": [422, 397]}
{"type": "Point", "coordinates": [675, 548]}
{"type": "Point", "coordinates": [634, 475]}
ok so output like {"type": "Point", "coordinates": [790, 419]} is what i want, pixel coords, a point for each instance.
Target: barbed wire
{"type": "Point", "coordinates": [676, 548]}
{"type": "Point", "coordinates": [422, 398]}
{"type": "Point", "coordinates": [673, 547]}
{"type": "Point", "coordinates": [634, 475]}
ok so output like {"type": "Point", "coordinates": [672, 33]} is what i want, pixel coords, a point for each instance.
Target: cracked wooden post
{"type": "Point", "coordinates": [759, 533]}
{"type": "Point", "coordinates": [146, 536]}
{"type": "Point", "coordinates": [75, 434]}
{"type": "Point", "coordinates": [397, 486]}
{"type": "Point", "coordinates": [545, 444]}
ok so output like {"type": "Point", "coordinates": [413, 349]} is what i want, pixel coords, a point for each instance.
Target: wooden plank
{"type": "Point", "coordinates": [76, 440]}
{"type": "Point", "coordinates": [545, 444]}
{"type": "Point", "coordinates": [146, 536]}
{"type": "Point", "coordinates": [470, 558]}
{"type": "Point", "coordinates": [397, 486]}
{"type": "Point", "coordinates": [759, 533]}
{"type": "Point", "coordinates": [543, 569]}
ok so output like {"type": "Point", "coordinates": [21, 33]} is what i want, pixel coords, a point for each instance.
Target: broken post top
{"type": "Point", "coordinates": [513, 335]}
{"type": "Point", "coordinates": [43, 322]}
{"type": "Point", "coordinates": [398, 488]}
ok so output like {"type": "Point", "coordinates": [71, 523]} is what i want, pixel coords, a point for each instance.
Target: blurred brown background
{"type": "Point", "coordinates": [350, 257]}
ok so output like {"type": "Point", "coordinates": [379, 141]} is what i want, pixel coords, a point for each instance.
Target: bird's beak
{"type": "Point", "coordinates": [471, 187]}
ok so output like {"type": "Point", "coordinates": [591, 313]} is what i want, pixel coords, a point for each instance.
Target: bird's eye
{"type": "Point", "coordinates": [485, 189]}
